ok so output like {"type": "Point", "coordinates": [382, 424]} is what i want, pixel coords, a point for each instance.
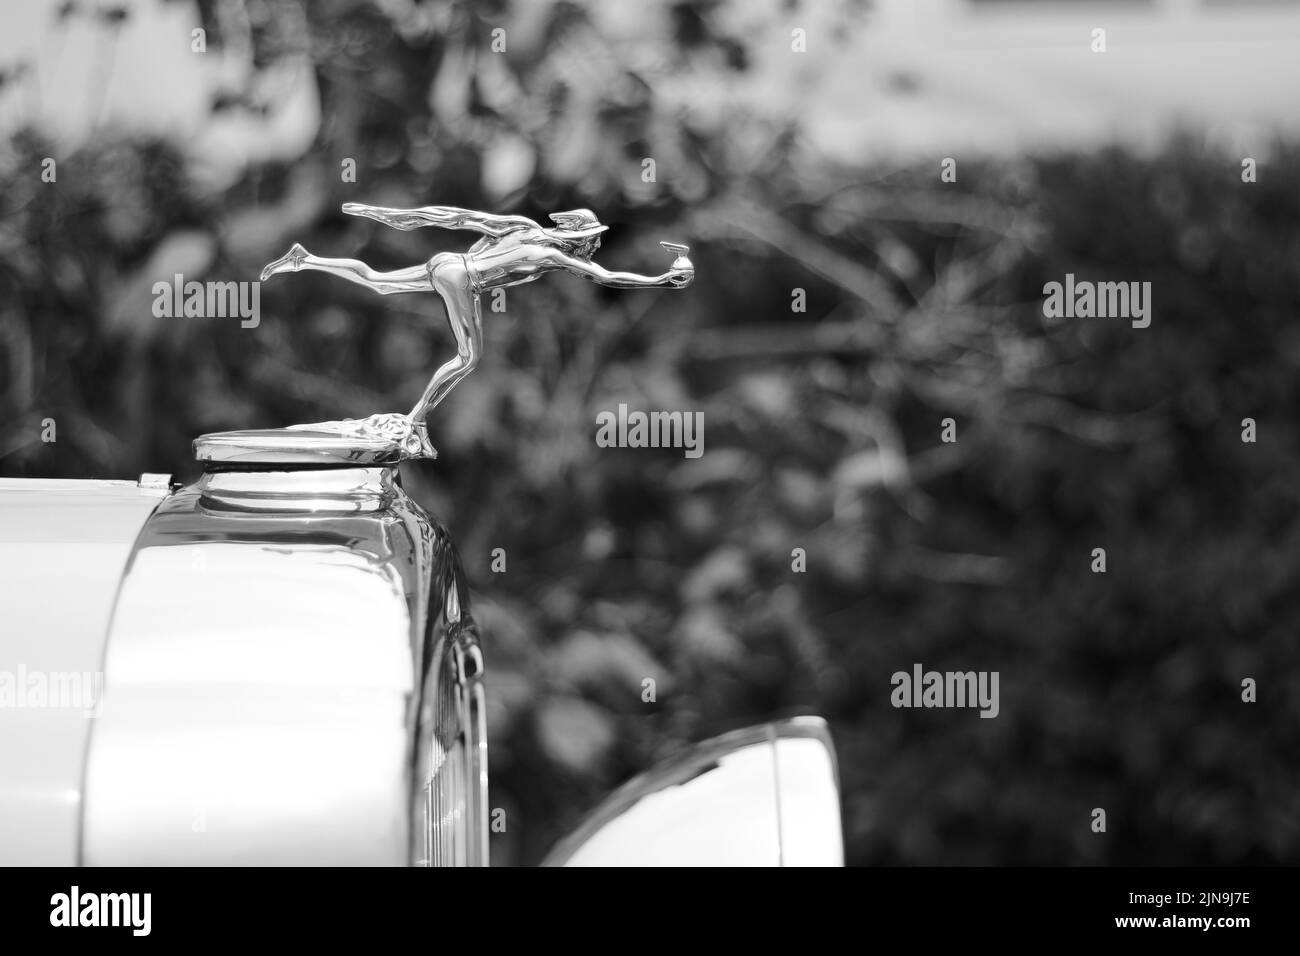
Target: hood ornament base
{"type": "Point", "coordinates": [358, 490]}
{"type": "Point", "coordinates": [511, 250]}
{"type": "Point", "coordinates": [385, 439]}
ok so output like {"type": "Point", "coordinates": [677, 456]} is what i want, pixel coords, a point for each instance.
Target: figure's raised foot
{"type": "Point", "coordinates": [291, 261]}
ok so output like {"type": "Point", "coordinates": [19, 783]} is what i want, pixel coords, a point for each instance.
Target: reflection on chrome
{"type": "Point", "coordinates": [451, 753]}
{"type": "Point", "coordinates": [264, 674]}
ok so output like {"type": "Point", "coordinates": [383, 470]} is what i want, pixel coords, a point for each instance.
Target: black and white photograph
{"type": "Point", "coordinates": [651, 433]}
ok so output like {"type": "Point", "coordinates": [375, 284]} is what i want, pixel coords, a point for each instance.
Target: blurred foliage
{"type": "Point", "coordinates": [822, 428]}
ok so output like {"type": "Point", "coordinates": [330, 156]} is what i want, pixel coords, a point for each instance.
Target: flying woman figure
{"type": "Point", "coordinates": [512, 250]}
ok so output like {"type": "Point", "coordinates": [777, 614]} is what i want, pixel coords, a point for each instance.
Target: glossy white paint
{"type": "Point", "coordinates": [725, 817]}
{"type": "Point", "coordinates": [63, 548]}
{"type": "Point", "coordinates": [808, 788]}
{"type": "Point", "coordinates": [763, 796]}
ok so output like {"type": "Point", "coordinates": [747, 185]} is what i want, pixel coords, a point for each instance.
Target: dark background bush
{"type": "Point", "coordinates": [1119, 690]}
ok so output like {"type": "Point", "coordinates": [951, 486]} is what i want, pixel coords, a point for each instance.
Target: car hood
{"type": "Point", "coordinates": [63, 548]}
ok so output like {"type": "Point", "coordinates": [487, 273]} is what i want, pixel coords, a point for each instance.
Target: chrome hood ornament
{"type": "Point", "coordinates": [512, 250]}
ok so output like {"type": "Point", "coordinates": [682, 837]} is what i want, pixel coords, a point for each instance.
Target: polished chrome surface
{"type": "Point", "coordinates": [319, 490]}
{"type": "Point", "coordinates": [763, 796]}
{"type": "Point", "coordinates": [263, 674]}
{"type": "Point", "coordinates": [63, 548]}
{"type": "Point", "coordinates": [511, 250]}
{"type": "Point", "coordinates": [300, 446]}
{"type": "Point", "coordinates": [679, 251]}
{"type": "Point", "coordinates": [392, 427]}
{"type": "Point", "coordinates": [451, 755]}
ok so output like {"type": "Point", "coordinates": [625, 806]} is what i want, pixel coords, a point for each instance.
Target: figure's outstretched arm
{"type": "Point", "coordinates": [677, 278]}
{"type": "Point", "coordinates": [446, 217]}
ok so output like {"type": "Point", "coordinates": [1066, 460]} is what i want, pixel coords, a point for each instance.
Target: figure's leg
{"type": "Point", "coordinates": [451, 281]}
{"type": "Point", "coordinates": [404, 219]}
{"type": "Point", "coordinates": [414, 279]}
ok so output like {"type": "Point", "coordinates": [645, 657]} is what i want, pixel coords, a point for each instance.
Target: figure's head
{"type": "Point", "coordinates": [584, 248]}
{"type": "Point", "coordinates": [579, 230]}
